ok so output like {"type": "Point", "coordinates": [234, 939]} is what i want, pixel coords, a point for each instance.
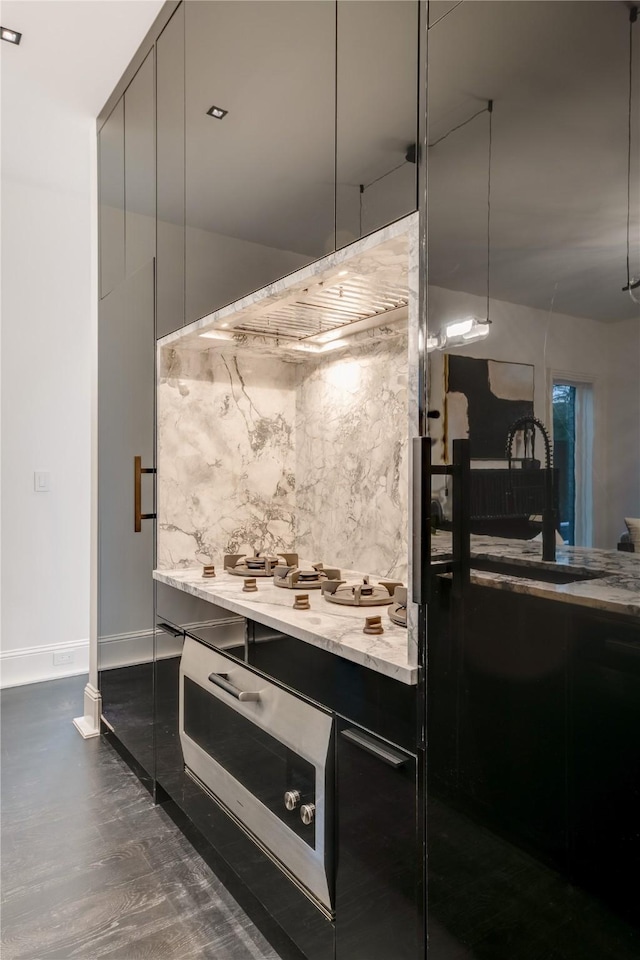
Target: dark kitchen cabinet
{"type": "Point", "coordinates": [235, 856]}
{"type": "Point", "coordinates": [443, 684]}
{"type": "Point", "coordinates": [378, 890]}
{"type": "Point", "coordinates": [169, 641]}
{"type": "Point", "coordinates": [140, 168]}
{"type": "Point", "coordinates": [126, 556]}
{"type": "Point", "coordinates": [260, 180]}
{"type": "Point", "coordinates": [376, 114]}
{"type": "Point", "coordinates": [170, 175]}
{"type": "Point", "coordinates": [111, 199]}
{"type": "Point", "coordinates": [377, 852]}
{"type": "Point", "coordinates": [604, 769]}
{"type": "Point", "coordinates": [513, 712]}
{"type": "Point", "coordinates": [497, 703]}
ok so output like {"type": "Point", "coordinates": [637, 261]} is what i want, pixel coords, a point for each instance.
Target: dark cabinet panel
{"type": "Point", "coordinates": [140, 168]}
{"type": "Point", "coordinates": [260, 180]}
{"type": "Point", "coordinates": [125, 588]}
{"type": "Point", "coordinates": [169, 760]}
{"type": "Point", "coordinates": [377, 114]}
{"type": "Point", "coordinates": [604, 769]}
{"type": "Point", "coordinates": [443, 683]}
{"type": "Point", "coordinates": [498, 712]}
{"type": "Point", "coordinates": [513, 710]}
{"type": "Point", "coordinates": [170, 175]}
{"type": "Point", "coordinates": [111, 199]}
{"type": "Point", "coordinates": [378, 889]}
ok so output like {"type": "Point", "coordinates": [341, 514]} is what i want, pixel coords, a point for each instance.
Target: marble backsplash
{"type": "Point", "coordinates": [351, 459]}
{"type": "Point", "coordinates": [226, 455]}
{"type": "Point", "coordinates": [258, 452]}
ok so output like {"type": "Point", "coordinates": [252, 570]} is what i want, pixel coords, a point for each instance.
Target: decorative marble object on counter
{"type": "Point", "coordinates": [351, 459]}
{"type": "Point", "coordinates": [617, 590]}
{"type": "Point", "coordinates": [334, 628]}
{"type": "Point", "coordinates": [226, 460]}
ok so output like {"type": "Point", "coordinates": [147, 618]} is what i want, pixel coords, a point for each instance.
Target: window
{"type": "Point", "coordinates": [572, 456]}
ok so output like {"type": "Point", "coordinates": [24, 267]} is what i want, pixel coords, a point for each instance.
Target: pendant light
{"type": "Point", "coordinates": [633, 283]}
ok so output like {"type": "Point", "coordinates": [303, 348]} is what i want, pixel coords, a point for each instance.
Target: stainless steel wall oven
{"type": "Point", "coordinates": [266, 757]}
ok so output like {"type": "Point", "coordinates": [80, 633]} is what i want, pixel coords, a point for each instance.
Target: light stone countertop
{"type": "Point", "coordinates": [329, 626]}
{"type": "Point", "coordinates": [617, 590]}
{"type": "Point", "coordinates": [338, 629]}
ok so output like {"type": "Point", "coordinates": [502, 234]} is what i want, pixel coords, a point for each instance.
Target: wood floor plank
{"type": "Point", "coordinates": [91, 869]}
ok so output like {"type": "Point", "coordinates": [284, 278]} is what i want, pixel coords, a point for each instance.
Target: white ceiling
{"type": "Point", "coordinates": [55, 82]}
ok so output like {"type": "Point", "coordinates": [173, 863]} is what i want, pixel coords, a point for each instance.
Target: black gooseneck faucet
{"type": "Point", "coordinates": [549, 519]}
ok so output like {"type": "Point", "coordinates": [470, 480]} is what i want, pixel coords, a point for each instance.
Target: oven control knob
{"type": "Point", "coordinates": [291, 799]}
{"type": "Point", "coordinates": [307, 813]}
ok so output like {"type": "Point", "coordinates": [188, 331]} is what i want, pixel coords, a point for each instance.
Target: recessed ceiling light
{"type": "Point", "coordinates": [12, 36]}
{"type": "Point", "coordinates": [217, 112]}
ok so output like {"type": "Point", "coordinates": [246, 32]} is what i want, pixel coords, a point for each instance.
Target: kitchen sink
{"type": "Point", "coordinates": [530, 572]}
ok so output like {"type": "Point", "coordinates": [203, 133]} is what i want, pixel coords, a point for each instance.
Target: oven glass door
{"type": "Point", "coordinates": [265, 766]}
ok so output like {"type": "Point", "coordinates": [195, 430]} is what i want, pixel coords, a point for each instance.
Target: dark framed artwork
{"type": "Point", "coordinates": [482, 398]}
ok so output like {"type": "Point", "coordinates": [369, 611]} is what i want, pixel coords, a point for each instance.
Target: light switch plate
{"type": "Point", "coordinates": [42, 481]}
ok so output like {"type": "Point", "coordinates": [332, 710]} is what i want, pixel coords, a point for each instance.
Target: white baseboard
{"type": "Point", "coordinates": [35, 664]}
{"type": "Point", "coordinates": [125, 649]}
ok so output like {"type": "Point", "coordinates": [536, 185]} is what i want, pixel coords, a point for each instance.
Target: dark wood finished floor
{"type": "Point", "coordinates": [91, 868]}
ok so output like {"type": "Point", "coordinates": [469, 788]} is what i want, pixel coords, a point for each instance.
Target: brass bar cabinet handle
{"type": "Point", "coordinates": [139, 516]}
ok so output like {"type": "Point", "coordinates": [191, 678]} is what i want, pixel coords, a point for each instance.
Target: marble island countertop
{"type": "Point", "coordinates": [615, 589]}
{"type": "Point", "coordinates": [329, 626]}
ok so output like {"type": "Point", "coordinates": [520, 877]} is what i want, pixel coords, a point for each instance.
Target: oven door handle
{"type": "Point", "coordinates": [222, 680]}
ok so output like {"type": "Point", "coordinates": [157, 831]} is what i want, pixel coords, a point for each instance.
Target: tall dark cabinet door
{"type": "Point", "coordinates": [260, 178]}
{"type": "Point", "coordinates": [170, 175]}
{"type": "Point", "coordinates": [140, 168]}
{"type": "Point", "coordinates": [377, 115]}
{"type": "Point", "coordinates": [378, 894]}
{"type": "Point", "coordinates": [111, 199]}
{"type": "Point", "coordinates": [125, 589]}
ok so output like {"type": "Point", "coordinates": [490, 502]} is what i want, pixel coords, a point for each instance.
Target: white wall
{"type": "Point", "coordinates": [581, 348]}
{"type": "Point", "coordinates": [46, 308]}
{"type": "Point", "coordinates": [624, 425]}
{"type": "Point", "coordinates": [53, 86]}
